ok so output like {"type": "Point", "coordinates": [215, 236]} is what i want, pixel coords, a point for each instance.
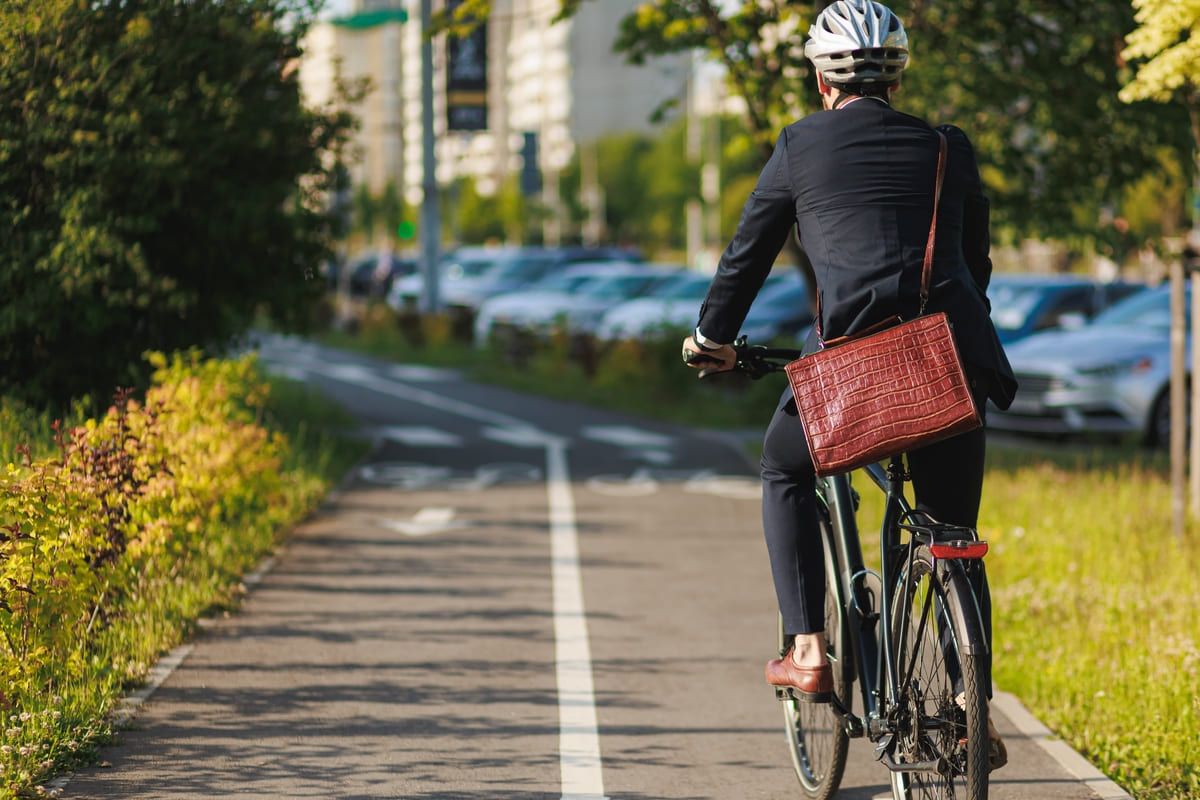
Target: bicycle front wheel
{"type": "Point", "coordinates": [940, 720]}
{"type": "Point", "coordinates": [817, 741]}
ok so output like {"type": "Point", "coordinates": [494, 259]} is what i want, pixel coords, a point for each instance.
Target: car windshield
{"type": "Point", "coordinates": [616, 287]}
{"type": "Point", "coordinates": [688, 287]}
{"type": "Point", "coordinates": [1150, 310]}
{"type": "Point", "coordinates": [562, 282]}
{"type": "Point", "coordinates": [1012, 304]}
{"type": "Point", "coordinates": [520, 268]}
{"type": "Point", "coordinates": [783, 297]}
{"type": "Point", "coordinates": [467, 268]}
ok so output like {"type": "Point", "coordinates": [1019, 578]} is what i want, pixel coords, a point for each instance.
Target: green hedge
{"type": "Point", "coordinates": [134, 525]}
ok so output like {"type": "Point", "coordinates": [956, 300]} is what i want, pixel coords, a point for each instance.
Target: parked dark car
{"type": "Point", "coordinates": [1023, 304]}
{"type": "Point", "coordinates": [371, 275]}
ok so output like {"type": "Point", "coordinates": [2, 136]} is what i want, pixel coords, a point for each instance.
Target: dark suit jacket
{"type": "Point", "coordinates": [857, 185]}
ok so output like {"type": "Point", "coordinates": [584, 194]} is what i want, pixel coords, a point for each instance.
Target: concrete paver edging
{"type": "Point", "coordinates": [1059, 750]}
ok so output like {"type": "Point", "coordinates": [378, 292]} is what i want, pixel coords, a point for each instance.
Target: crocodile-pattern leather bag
{"type": "Point", "coordinates": [866, 398]}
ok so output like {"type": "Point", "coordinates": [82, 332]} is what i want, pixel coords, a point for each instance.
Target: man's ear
{"type": "Point", "coordinates": [822, 86]}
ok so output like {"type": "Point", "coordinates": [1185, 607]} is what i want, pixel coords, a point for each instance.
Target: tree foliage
{"type": "Point", "coordinates": [1168, 36]}
{"type": "Point", "coordinates": [1167, 43]}
{"type": "Point", "coordinates": [161, 182]}
{"type": "Point", "coordinates": [1036, 86]}
{"type": "Point", "coordinates": [1034, 83]}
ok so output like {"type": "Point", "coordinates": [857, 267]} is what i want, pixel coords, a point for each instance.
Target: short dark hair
{"type": "Point", "coordinates": [864, 89]}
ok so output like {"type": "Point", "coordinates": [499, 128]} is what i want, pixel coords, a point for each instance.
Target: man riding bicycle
{"type": "Point", "coordinates": [856, 182]}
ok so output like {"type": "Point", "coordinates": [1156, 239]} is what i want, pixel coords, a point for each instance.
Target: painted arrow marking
{"type": "Point", "coordinates": [426, 522]}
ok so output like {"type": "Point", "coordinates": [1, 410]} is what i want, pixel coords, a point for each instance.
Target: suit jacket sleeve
{"type": "Point", "coordinates": [767, 219]}
{"type": "Point", "coordinates": [976, 238]}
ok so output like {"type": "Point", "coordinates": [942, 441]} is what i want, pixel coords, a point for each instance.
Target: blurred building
{"type": "Point", "coordinates": [363, 44]}
{"type": "Point", "coordinates": [560, 81]}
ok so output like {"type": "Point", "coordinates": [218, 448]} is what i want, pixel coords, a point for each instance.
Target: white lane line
{"type": "Point", "coordinates": [578, 739]}
{"type": "Point", "coordinates": [578, 730]}
{"type": "Point", "coordinates": [362, 376]}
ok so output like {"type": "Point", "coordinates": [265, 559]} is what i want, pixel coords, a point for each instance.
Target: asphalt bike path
{"type": "Point", "coordinates": [510, 598]}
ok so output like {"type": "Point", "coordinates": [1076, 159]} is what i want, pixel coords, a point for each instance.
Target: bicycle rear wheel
{"type": "Point", "coordinates": [818, 743]}
{"type": "Point", "coordinates": [941, 718]}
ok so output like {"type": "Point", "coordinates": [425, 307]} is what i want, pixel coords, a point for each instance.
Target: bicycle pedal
{"type": "Point", "coordinates": [785, 693]}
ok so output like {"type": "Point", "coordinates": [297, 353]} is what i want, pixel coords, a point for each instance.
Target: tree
{"type": "Point", "coordinates": [647, 182]}
{"type": "Point", "coordinates": [1167, 41]}
{"type": "Point", "coordinates": [1034, 84]}
{"type": "Point", "coordinates": [161, 183]}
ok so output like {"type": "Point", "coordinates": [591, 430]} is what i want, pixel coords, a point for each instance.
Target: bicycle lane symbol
{"type": "Point", "coordinates": [645, 481]}
{"type": "Point", "coordinates": [413, 476]}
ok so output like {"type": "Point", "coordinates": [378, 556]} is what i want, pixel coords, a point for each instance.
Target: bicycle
{"type": "Point", "coordinates": [921, 676]}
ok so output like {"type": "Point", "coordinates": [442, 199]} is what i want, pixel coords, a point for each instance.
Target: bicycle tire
{"type": "Point", "coordinates": [941, 714]}
{"type": "Point", "coordinates": [817, 741]}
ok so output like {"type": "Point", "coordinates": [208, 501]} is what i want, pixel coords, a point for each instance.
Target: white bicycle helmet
{"type": "Point", "coordinates": [857, 41]}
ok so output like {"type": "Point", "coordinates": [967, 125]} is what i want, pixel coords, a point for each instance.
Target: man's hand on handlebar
{"type": "Point", "coordinates": [723, 359]}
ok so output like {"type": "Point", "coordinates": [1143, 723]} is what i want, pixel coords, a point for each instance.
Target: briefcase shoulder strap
{"type": "Point", "coordinates": [926, 268]}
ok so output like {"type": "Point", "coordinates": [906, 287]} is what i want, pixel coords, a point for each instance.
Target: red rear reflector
{"type": "Point", "coordinates": [959, 549]}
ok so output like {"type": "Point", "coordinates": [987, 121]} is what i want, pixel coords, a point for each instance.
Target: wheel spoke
{"type": "Point", "coordinates": [941, 697]}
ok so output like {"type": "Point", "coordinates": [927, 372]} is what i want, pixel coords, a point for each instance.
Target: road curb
{"type": "Point", "coordinates": [1056, 748]}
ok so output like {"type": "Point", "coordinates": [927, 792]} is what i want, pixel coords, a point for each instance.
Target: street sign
{"type": "Point", "coordinates": [466, 77]}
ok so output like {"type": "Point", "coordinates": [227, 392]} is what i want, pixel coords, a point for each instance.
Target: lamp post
{"type": "Point", "coordinates": [430, 221]}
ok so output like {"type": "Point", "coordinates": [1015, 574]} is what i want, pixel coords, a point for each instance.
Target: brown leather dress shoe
{"type": "Point", "coordinates": [811, 684]}
{"type": "Point", "coordinates": [997, 752]}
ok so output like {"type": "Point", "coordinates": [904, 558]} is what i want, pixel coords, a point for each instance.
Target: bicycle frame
{"type": "Point", "coordinates": [861, 614]}
{"type": "Point", "coordinates": [873, 651]}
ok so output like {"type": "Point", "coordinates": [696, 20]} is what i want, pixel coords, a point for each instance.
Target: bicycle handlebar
{"type": "Point", "coordinates": [754, 360]}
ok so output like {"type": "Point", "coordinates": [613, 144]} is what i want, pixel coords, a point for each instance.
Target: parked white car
{"type": "Point", "coordinates": [464, 264]}
{"type": "Point", "coordinates": [782, 308]}
{"type": "Point", "coordinates": [579, 293]}
{"type": "Point", "coordinates": [672, 310]}
{"type": "Point", "coordinates": [1111, 376]}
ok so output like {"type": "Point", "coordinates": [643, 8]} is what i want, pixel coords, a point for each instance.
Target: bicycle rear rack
{"type": "Point", "coordinates": [947, 541]}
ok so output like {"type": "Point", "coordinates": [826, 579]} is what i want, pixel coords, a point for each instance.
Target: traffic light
{"type": "Point", "coordinates": [531, 176]}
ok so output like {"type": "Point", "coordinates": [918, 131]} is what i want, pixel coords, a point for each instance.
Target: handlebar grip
{"type": "Point", "coordinates": [696, 359]}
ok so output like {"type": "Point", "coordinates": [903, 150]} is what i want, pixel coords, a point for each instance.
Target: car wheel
{"type": "Point", "coordinates": [1158, 426]}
